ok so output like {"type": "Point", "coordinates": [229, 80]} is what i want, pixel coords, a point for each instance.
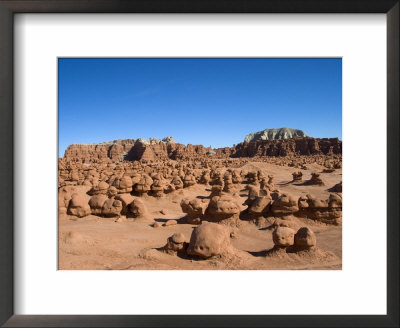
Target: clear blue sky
{"type": "Point", "coordinates": [213, 102]}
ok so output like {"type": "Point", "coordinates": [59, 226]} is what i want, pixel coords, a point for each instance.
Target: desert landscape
{"type": "Point", "coordinates": [271, 202]}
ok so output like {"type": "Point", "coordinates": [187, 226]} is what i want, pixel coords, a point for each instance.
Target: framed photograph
{"type": "Point", "coordinates": [199, 163]}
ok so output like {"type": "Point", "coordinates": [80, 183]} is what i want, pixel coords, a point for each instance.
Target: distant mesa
{"type": "Point", "coordinates": [274, 134]}
{"type": "Point", "coordinates": [272, 143]}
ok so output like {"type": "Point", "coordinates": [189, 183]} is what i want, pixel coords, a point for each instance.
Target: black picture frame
{"type": "Point", "coordinates": [7, 201]}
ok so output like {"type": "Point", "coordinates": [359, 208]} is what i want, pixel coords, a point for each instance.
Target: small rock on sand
{"type": "Point", "coordinates": [170, 222]}
{"type": "Point", "coordinates": [156, 224]}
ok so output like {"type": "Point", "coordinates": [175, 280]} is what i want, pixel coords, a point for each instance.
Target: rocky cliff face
{"type": "Point", "coordinates": [286, 147]}
{"type": "Point", "coordinates": [131, 150]}
{"type": "Point", "coordinates": [274, 134]}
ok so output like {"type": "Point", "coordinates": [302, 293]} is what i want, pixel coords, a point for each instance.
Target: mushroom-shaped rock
{"type": "Point", "coordinates": [260, 206]}
{"type": "Point", "coordinates": [216, 190]}
{"type": "Point", "coordinates": [189, 180]}
{"type": "Point", "coordinates": [297, 176]}
{"type": "Point", "coordinates": [123, 184]}
{"type": "Point", "coordinates": [79, 205]}
{"type": "Point", "coordinates": [112, 208]}
{"type": "Point", "coordinates": [315, 180]}
{"type": "Point", "coordinates": [283, 236]}
{"type": "Point", "coordinates": [144, 185]}
{"type": "Point", "coordinates": [228, 183]}
{"type": "Point", "coordinates": [194, 209]}
{"type": "Point", "coordinates": [177, 182]}
{"type": "Point", "coordinates": [158, 185]}
{"type": "Point", "coordinates": [252, 178]}
{"type": "Point", "coordinates": [205, 177]}
{"type": "Point", "coordinates": [175, 244]}
{"type": "Point", "coordinates": [286, 204]}
{"type": "Point", "coordinates": [101, 188]}
{"type": "Point", "coordinates": [303, 202]}
{"type": "Point", "coordinates": [209, 239]}
{"type": "Point", "coordinates": [125, 199]}
{"type": "Point", "coordinates": [112, 191]}
{"type": "Point", "coordinates": [222, 207]}
{"type": "Point", "coordinates": [253, 194]}
{"type": "Point", "coordinates": [305, 237]}
{"type": "Point", "coordinates": [138, 210]}
{"type": "Point", "coordinates": [217, 179]}
{"type": "Point", "coordinates": [236, 177]}
{"type": "Point", "coordinates": [96, 203]}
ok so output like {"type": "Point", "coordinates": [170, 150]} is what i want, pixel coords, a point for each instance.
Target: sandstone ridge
{"type": "Point", "coordinates": [154, 149]}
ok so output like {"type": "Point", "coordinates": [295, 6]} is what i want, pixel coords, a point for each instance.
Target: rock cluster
{"type": "Point", "coordinates": [303, 239]}
{"type": "Point", "coordinates": [267, 203]}
{"type": "Point", "coordinates": [105, 180]}
{"type": "Point", "coordinates": [101, 200]}
{"type": "Point", "coordinates": [320, 209]}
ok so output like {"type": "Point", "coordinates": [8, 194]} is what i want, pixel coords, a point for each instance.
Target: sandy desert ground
{"type": "Point", "coordinates": [122, 243]}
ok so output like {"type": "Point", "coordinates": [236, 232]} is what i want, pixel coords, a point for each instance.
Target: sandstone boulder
{"type": "Point", "coordinates": [260, 206]}
{"type": "Point", "coordinates": [144, 184]}
{"type": "Point", "coordinates": [96, 203]}
{"type": "Point", "coordinates": [138, 211]}
{"type": "Point", "coordinates": [194, 209]}
{"type": "Point", "coordinates": [222, 207]}
{"type": "Point", "coordinates": [100, 188]}
{"type": "Point", "coordinates": [125, 199]}
{"type": "Point", "coordinates": [112, 191]}
{"type": "Point", "coordinates": [283, 236]}
{"type": "Point", "coordinates": [123, 184]}
{"type": "Point", "coordinates": [286, 204]}
{"type": "Point", "coordinates": [305, 238]}
{"type": "Point", "coordinates": [112, 208]}
{"type": "Point", "coordinates": [79, 205]}
{"type": "Point", "coordinates": [189, 180]}
{"type": "Point", "coordinates": [209, 239]}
